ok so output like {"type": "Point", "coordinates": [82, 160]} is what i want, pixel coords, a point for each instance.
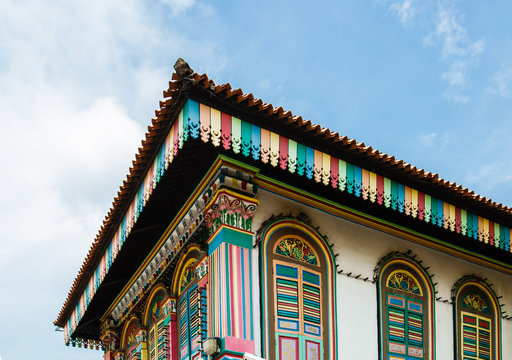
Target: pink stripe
{"type": "Point", "coordinates": [231, 288]}
{"type": "Point", "coordinates": [247, 302]}
{"type": "Point", "coordinates": [224, 293]}
{"type": "Point", "coordinates": [241, 281]}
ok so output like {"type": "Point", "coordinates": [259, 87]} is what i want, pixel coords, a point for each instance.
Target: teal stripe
{"type": "Point", "coordinates": [350, 178]}
{"type": "Point", "coordinates": [301, 159]}
{"type": "Point", "coordinates": [358, 180]}
{"type": "Point", "coordinates": [186, 128]}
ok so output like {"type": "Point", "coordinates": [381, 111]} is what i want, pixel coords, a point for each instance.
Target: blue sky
{"type": "Point", "coordinates": [429, 82]}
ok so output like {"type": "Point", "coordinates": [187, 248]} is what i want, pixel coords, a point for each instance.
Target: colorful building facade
{"type": "Point", "coordinates": [242, 230]}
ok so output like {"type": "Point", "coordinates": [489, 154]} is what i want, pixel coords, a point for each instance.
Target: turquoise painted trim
{"type": "Point", "coordinates": [350, 178]}
{"type": "Point", "coordinates": [358, 180]}
{"type": "Point", "coordinates": [230, 236]}
{"type": "Point", "coordinates": [330, 279]}
{"type": "Point", "coordinates": [301, 159]}
{"type": "Point", "coordinates": [246, 138]}
{"type": "Point", "coordinates": [186, 126]}
{"type": "Point", "coordinates": [256, 142]}
{"type": "Point", "coordinates": [310, 162]}
{"type": "Point", "coordinates": [193, 118]}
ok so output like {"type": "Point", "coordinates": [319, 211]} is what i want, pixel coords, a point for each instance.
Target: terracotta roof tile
{"type": "Point", "coordinates": [247, 101]}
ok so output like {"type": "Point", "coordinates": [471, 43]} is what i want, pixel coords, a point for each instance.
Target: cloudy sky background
{"type": "Point", "coordinates": [429, 82]}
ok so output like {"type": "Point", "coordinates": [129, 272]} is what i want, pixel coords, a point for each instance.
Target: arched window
{"type": "Point", "coordinates": [297, 293]}
{"type": "Point", "coordinates": [406, 313]}
{"type": "Point", "coordinates": [189, 306]}
{"type": "Point", "coordinates": [157, 320]}
{"type": "Point", "coordinates": [129, 341]}
{"type": "Point", "coordinates": [477, 321]}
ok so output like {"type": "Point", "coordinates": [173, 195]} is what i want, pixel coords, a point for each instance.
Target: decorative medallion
{"type": "Point", "coordinates": [296, 249]}
{"type": "Point", "coordinates": [404, 281]}
{"type": "Point", "coordinates": [187, 276]}
{"type": "Point", "coordinates": [475, 302]}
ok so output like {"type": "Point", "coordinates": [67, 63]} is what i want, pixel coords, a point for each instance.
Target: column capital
{"type": "Point", "coordinates": [231, 208]}
{"type": "Point", "coordinates": [110, 336]}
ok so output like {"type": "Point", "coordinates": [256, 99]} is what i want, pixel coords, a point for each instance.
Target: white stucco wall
{"type": "Point", "coordinates": [360, 248]}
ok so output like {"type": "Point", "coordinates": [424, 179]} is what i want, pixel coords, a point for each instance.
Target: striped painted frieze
{"type": "Point", "coordinates": [198, 121]}
{"type": "Point", "coordinates": [239, 136]}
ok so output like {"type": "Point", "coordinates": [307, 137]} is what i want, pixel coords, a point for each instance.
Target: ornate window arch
{"type": "Point", "coordinates": [298, 293]}
{"type": "Point", "coordinates": [130, 339]}
{"type": "Point", "coordinates": [406, 309]}
{"type": "Point", "coordinates": [190, 315]}
{"type": "Point", "coordinates": [477, 320]}
{"type": "Point", "coordinates": [156, 319]}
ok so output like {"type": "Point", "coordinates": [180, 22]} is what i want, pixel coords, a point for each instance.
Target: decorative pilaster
{"type": "Point", "coordinates": [228, 217]}
{"type": "Point", "coordinates": [110, 338]}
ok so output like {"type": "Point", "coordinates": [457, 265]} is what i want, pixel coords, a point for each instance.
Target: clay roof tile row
{"type": "Point", "coordinates": [249, 103]}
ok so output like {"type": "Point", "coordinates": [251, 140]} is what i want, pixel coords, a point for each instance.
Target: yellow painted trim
{"type": "Point", "coordinates": [476, 327]}
{"type": "Point", "coordinates": [152, 294]}
{"type": "Point", "coordinates": [175, 281]}
{"type": "Point", "coordinates": [125, 329]}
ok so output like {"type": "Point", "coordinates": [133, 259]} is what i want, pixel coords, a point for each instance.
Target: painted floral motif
{"type": "Point", "coordinates": [475, 302]}
{"type": "Point", "coordinates": [405, 282]}
{"type": "Point", "coordinates": [312, 350]}
{"type": "Point", "coordinates": [296, 249]}
{"type": "Point", "coordinates": [187, 277]}
{"type": "Point", "coordinates": [131, 337]}
{"type": "Point", "coordinates": [230, 211]}
{"type": "Point", "coordinates": [156, 308]}
{"type": "Point", "coordinates": [288, 349]}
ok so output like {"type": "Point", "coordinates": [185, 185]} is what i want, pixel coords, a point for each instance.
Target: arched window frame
{"type": "Point", "coordinates": [187, 294]}
{"type": "Point", "coordinates": [405, 300]}
{"type": "Point", "coordinates": [269, 236]}
{"type": "Point", "coordinates": [476, 286]}
{"type": "Point", "coordinates": [158, 328]}
{"type": "Point", "coordinates": [130, 328]}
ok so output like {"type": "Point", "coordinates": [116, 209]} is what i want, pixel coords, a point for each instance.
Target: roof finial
{"type": "Point", "coordinates": [182, 68]}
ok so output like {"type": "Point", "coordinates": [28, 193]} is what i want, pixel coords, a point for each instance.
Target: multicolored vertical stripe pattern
{"type": "Point", "coordinates": [231, 300]}
{"type": "Point", "coordinates": [476, 337]}
{"type": "Point", "coordinates": [241, 137]}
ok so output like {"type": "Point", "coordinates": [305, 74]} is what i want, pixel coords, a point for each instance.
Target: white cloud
{"type": "Point", "coordinates": [179, 6]}
{"type": "Point", "coordinates": [458, 50]}
{"type": "Point", "coordinates": [427, 139]}
{"type": "Point", "coordinates": [404, 10]}
{"type": "Point", "coordinates": [434, 139]}
{"type": "Point", "coordinates": [79, 82]}
{"type": "Point", "coordinates": [501, 83]}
